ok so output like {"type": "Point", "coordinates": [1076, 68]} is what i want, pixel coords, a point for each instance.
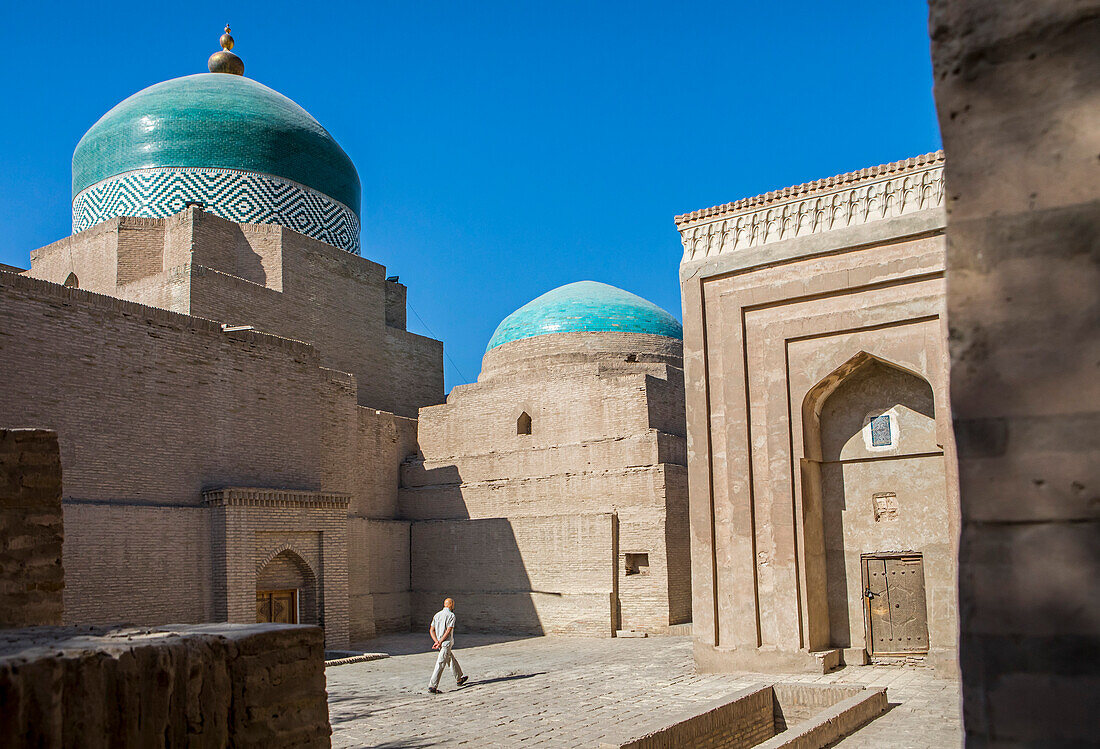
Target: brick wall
{"type": "Point", "coordinates": [328, 297]}
{"type": "Point", "coordinates": [779, 716]}
{"type": "Point", "coordinates": [135, 563]}
{"type": "Point", "coordinates": [251, 527]}
{"type": "Point", "coordinates": [31, 530]}
{"type": "Point", "coordinates": [150, 406]}
{"type": "Point", "coordinates": [267, 276]}
{"type": "Point", "coordinates": [737, 722]}
{"type": "Point", "coordinates": [153, 407]}
{"type": "Point", "coordinates": [533, 574]}
{"type": "Point", "coordinates": [378, 577]}
{"type": "Point", "coordinates": [600, 405]}
{"type": "Point", "coordinates": [210, 685]}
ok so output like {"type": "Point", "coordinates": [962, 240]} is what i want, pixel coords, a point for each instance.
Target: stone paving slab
{"type": "Point", "coordinates": [575, 692]}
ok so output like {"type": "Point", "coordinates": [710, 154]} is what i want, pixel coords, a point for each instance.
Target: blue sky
{"type": "Point", "coordinates": [505, 148]}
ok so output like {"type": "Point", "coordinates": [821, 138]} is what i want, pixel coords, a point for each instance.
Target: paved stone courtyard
{"type": "Point", "coordinates": [575, 692]}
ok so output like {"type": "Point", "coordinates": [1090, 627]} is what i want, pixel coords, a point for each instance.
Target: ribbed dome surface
{"type": "Point", "coordinates": [585, 306]}
{"type": "Point", "coordinates": [214, 120]}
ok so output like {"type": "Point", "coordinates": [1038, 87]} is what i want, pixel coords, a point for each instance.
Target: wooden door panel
{"type": "Point", "coordinates": [897, 614]}
{"type": "Point", "coordinates": [277, 606]}
{"type": "Point", "coordinates": [908, 610]}
{"type": "Point", "coordinates": [878, 606]}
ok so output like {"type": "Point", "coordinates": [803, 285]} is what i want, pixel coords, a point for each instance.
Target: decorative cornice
{"type": "Point", "coordinates": [851, 199]}
{"type": "Point", "coordinates": [242, 496]}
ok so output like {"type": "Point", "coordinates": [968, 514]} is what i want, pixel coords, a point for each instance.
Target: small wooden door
{"type": "Point", "coordinates": [897, 615]}
{"type": "Point", "coordinates": [277, 606]}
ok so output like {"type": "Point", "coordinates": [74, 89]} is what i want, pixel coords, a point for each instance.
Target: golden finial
{"type": "Point", "coordinates": [225, 61]}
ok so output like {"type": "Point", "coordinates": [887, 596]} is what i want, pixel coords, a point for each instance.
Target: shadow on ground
{"type": "Point", "coordinates": [510, 677]}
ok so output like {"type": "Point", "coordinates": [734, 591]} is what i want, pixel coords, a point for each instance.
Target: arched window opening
{"type": "Point", "coordinates": [523, 423]}
{"type": "Point", "coordinates": [72, 281]}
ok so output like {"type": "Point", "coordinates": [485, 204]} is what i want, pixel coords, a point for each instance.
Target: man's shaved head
{"type": "Point", "coordinates": [449, 603]}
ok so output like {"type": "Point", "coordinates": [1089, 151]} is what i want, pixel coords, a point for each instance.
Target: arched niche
{"type": "Point", "coordinates": [872, 478]}
{"type": "Point", "coordinates": [523, 424]}
{"type": "Point", "coordinates": [72, 282]}
{"type": "Point", "coordinates": [286, 590]}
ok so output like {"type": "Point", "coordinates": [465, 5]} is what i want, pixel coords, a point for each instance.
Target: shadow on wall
{"type": "Point", "coordinates": [479, 564]}
{"type": "Point", "coordinates": [523, 575]}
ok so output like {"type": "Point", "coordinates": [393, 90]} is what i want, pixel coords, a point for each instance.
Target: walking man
{"type": "Point", "coordinates": [442, 630]}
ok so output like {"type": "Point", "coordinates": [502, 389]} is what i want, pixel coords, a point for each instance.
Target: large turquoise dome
{"type": "Point", "coordinates": [247, 152]}
{"type": "Point", "coordinates": [586, 306]}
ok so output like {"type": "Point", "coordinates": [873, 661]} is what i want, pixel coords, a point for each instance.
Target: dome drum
{"type": "Point", "coordinates": [242, 197]}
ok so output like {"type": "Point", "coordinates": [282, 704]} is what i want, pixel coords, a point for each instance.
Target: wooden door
{"type": "Point", "coordinates": [277, 606]}
{"type": "Point", "coordinates": [897, 615]}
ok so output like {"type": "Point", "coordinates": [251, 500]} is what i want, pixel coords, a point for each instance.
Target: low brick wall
{"type": "Point", "coordinates": [759, 717]}
{"type": "Point", "coordinates": [213, 685]}
{"type": "Point", "coordinates": [32, 578]}
{"type": "Point", "coordinates": [743, 719]}
{"type": "Point", "coordinates": [815, 717]}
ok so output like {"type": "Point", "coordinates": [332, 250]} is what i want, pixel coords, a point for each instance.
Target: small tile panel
{"type": "Point", "coordinates": [880, 431]}
{"type": "Point", "coordinates": [244, 197]}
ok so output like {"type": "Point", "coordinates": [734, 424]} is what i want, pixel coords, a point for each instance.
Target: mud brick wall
{"type": "Point", "coordinates": [1017, 85]}
{"type": "Point", "coordinates": [141, 565]}
{"type": "Point", "coordinates": [32, 577]}
{"type": "Point", "coordinates": [378, 577]}
{"type": "Point", "coordinates": [212, 685]}
{"type": "Point", "coordinates": [533, 574]}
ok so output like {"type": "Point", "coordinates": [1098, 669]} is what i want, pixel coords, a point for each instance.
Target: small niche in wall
{"type": "Point", "coordinates": [523, 423]}
{"type": "Point", "coordinates": [72, 282]}
{"type": "Point", "coordinates": [637, 564]}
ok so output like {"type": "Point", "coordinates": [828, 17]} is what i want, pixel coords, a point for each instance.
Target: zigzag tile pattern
{"type": "Point", "coordinates": [243, 197]}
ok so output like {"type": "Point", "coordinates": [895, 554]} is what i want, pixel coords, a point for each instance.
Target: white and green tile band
{"type": "Point", "coordinates": [235, 195]}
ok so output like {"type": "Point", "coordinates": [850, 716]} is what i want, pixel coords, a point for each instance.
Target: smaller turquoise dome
{"type": "Point", "coordinates": [585, 307]}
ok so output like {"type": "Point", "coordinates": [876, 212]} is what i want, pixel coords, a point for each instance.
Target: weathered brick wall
{"type": "Point", "coordinates": [1018, 95]}
{"type": "Point", "coordinates": [139, 564]}
{"type": "Point", "coordinates": [533, 574]}
{"type": "Point", "coordinates": [203, 686]}
{"type": "Point", "coordinates": [330, 298]}
{"type": "Point", "coordinates": [267, 276]}
{"type": "Point", "coordinates": [599, 405]}
{"type": "Point", "coordinates": [150, 406]}
{"type": "Point", "coordinates": [154, 407]}
{"type": "Point", "coordinates": [31, 530]}
{"type": "Point", "coordinates": [383, 441]}
{"type": "Point", "coordinates": [378, 576]}
{"type": "Point", "coordinates": [678, 545]}
{"type": "Point", "coordinates": [92, 255]}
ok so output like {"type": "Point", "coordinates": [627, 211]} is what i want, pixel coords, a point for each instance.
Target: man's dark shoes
{"type": "Point", "coordinates": [463, 680]}
{"type": "Point", "coordinates": [433, 690]}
